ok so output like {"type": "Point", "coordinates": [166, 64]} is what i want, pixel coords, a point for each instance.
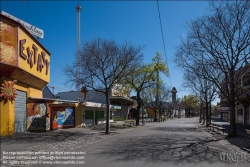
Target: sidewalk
{"type": "Point", "coordinates": [61, 138]}
{"type": "Point", "coordinates": [240, 142]}
{"type": "Point", "coordinates": [239, 127]}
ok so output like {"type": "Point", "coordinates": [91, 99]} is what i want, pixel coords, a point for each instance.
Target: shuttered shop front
{"type": "Point", "coordinates": [20, 112]}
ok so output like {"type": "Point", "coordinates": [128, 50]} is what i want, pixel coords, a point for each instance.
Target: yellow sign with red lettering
{"type": "Point", "coordinates": [32, 58]}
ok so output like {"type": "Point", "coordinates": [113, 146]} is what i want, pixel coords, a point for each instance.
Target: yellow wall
{"type": "Point", "coordinates": [78, 115]}
{"type": "Point", "coordinates": [31, 92]}
{"type": "Point", "coordinates": [32, 67]}
{"type": "Point", "coordinates": [11, 35]}
{"type": "Point", "coordinates": [7, 113]}
{"type": "Point", "coordinates": [6, 117]}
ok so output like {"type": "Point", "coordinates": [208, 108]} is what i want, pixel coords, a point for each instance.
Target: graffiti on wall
{"type": "Point", "coordinates": [66, 118]}
{"type": "Point", "coordinates": [38, 116]}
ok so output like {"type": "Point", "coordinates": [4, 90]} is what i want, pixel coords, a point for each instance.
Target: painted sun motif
{"type": "Point", "coordinates": [8, 91]}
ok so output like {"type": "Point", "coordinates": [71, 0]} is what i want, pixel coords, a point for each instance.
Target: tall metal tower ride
{"type": "Point", "coordinates": [78, 10]}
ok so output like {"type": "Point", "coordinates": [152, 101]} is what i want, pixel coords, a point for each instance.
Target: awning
{"type": "Point", "coordinates": [244, 99]}
{"type": "Point", "coordinates": [225, 111]}
{"type": "Point", "coordinates": [63, 105]}
{"type": "Point", "coordinates": [98, 105]}
{"type": "Point", "coordinates": [121, 99]}
{"type": "Point", "coordinates": [58, 100]}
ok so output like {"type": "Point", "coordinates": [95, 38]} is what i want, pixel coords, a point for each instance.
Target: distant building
{"type": "Point", "coordinates": [242, 97]}
{"type": "Point", "coordinates": [94, 106]}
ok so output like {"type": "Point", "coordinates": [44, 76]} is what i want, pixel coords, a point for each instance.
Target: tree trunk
{"type": "Point", "coordinates": [232, 128]}
{"type": "Point", "coordinates": [207, 119]}
{"type": "Point", "coordinates": [142, 115]}
{"type": "Point", "coordinates": [203, 117]}
{"type": "Point", "coordinates": [200, 112]}
{"type": "Point", "coordinates": [107, 115]}
{"type": "Point", "coordinates": [138, 109]}
{"type": "Point", "coordinates": [155, 117]}
{"type": "Point", "coordinates": [210, 108]}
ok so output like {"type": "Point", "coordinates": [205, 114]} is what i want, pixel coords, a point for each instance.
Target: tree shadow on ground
{"type": "Point", "coordinates": [175, 129]}
{"type": "Point", "coordinates": [168, 147]}
{"type": "Point", "coordinates": [41, 137]}
{"type": "Point", "coordinates": [113, 127]}
{"type": "Point", "coordinates": [242, 142]}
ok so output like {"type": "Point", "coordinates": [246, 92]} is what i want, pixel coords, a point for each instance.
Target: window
{"type": "Point", "coordinates": [89, 114]}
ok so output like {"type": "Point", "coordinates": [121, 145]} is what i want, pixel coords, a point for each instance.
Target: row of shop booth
{"type": "Point", "coordinates": [26, 103]}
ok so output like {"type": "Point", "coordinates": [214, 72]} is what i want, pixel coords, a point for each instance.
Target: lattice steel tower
{"type": "Point", "coordinates": [78, 10]}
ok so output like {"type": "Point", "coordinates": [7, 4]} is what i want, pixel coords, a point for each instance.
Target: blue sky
{"type": "Point", "coordinates": [134, 21]}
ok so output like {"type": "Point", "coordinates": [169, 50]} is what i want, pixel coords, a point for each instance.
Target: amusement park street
{"type": "Point", "coordinates": [175, 142]}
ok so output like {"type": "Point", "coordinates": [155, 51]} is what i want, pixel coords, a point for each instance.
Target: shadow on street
{"type": "Point", "coordinates": [242, 140]}
{"type": "Point", "coordinates": [169, 147]}
{"type": "Point", "coordinates": [175, 129]}
{"type": "Point", "coordinates": [40, 137]}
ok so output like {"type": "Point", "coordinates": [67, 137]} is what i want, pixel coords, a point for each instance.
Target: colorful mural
{"type": "Point", "coordinates": [66, 118]}
{"type": "Point", "coordinates": [38, 116]}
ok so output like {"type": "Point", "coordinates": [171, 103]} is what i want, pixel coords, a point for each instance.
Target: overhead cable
{"type": "Point", "coordinates": [163, 41]}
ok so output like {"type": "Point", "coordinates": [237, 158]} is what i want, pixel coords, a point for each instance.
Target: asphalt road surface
{"type": "Point", "coordinates": [173, 143]}
{"type": "Point", "coordinates": [177, 142]}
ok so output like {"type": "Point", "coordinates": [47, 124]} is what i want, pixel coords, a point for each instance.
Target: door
{"type": "Point", "coordinates": [98, 115]}
{"type": "Point", "coordinates": [89, 117]}
{"type": "Point", "coordinates": [20, 112]}
{"type": "Point", "coordinates": [54, 120]}
{"type": "Point", "coordinates": [247, 116]}
{"type": "Point", "coordinates": [240, 116]}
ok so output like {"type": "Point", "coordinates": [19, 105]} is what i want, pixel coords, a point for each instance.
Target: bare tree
{"type": "Point", "coordinates": [103, 63]}
{"type": "Point", "coordinates": [202, 88]}
{"type": "Point", "coordinates": [157, 103]}
{"type": "Point", "coordinates": [219, 44]}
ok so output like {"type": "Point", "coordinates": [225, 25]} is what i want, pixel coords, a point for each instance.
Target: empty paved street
{"type": "Point", "coordinates": [178, 142]}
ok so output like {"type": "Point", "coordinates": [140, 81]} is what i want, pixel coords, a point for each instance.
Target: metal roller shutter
{"type": "Point", "coordinates": [20, 112]}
